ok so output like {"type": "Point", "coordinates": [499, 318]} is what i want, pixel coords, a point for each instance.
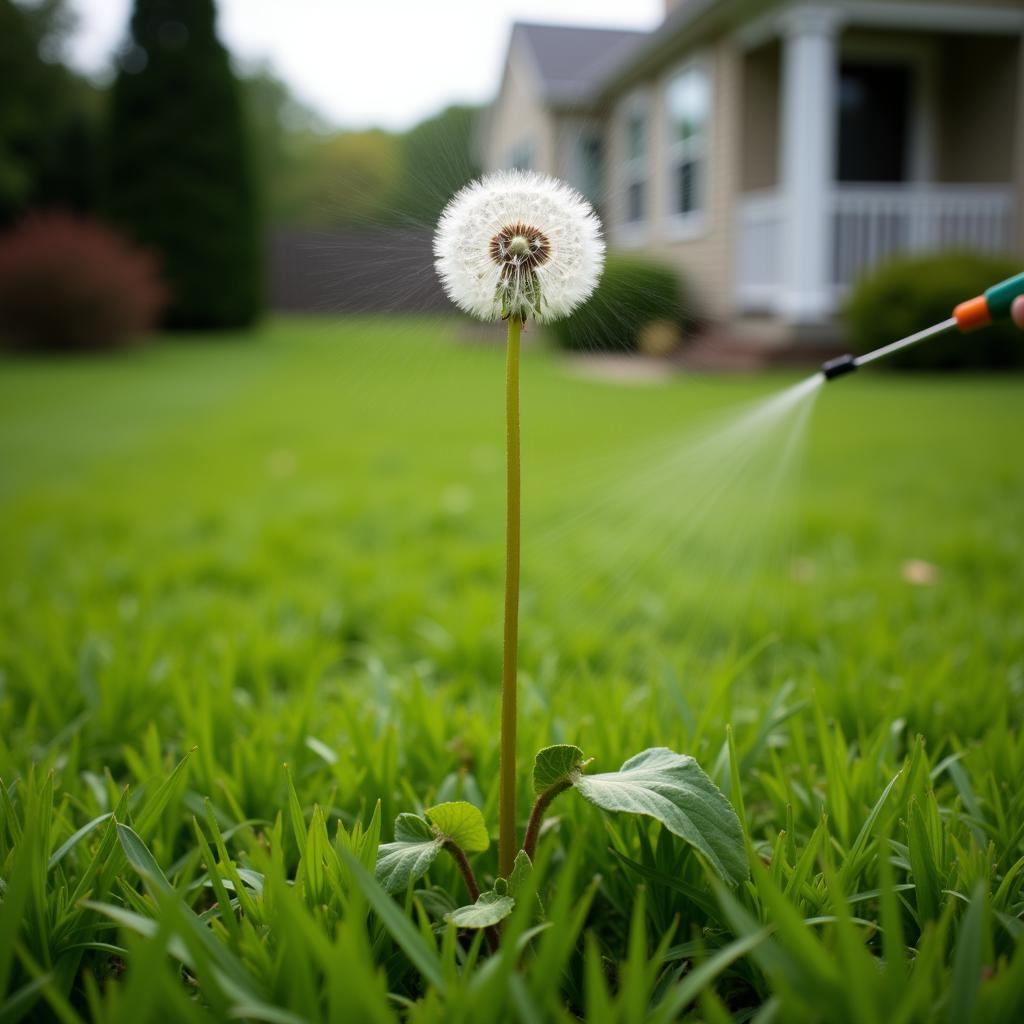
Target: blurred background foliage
{"type": "Point", "coordinates": [307, 170]}
{"type": "Point", "coordinates": [49, 117]}
{"type": "Point", "coordinates": [198, 159]}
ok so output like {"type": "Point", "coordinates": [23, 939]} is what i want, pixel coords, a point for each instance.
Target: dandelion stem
{"type": "Point", "coordinates": [507, 769]}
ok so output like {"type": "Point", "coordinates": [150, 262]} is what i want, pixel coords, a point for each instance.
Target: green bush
{"type": "Point", "coordinates": [632, 294]}
{"type": "Point", "coordinates": [910, 294]}
{"type": "Point", "coordinates": [180, 177]}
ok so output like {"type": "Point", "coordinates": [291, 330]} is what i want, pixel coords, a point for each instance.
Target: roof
{"type": "Point", "coordinates": [684, 19]}
{"type": "Point", "coordinates": [572, 61]}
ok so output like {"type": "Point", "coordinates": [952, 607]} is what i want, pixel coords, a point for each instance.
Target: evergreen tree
{"type": "Point", "coordinates": [180, 175]}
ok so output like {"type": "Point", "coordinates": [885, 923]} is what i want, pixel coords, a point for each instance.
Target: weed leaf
{"type": "Point", "coordinates": [488, 910]}
{"type": "Point", "coordinates": [673, 789]}
{"type": "Point", "coordinates": [409, 857]}
{"type": "Point", "coordinates": [556, 764]}
{"type": "Point", "coordinates": [462, 823]}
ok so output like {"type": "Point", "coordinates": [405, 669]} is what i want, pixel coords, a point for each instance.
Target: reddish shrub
{"type": "Point", "coordinates": [72, 284]}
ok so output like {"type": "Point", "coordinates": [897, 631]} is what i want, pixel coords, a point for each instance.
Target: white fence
{"type": "Point", "coordinates": [870, 224]}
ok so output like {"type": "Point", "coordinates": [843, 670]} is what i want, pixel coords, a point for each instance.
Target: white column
{"type": "Point", "coordinates": [810, 73]}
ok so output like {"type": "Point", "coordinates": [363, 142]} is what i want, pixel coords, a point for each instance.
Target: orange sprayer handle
{"type": "Point", "coordinates": [994, 305]}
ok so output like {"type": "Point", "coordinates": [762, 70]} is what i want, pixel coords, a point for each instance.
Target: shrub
{"type": "Point", "coordinates": [72, 284]}
{"type": "Point", "coordinates": [910, 294]}
{"type": "Point", "coordinates": [632, 294]}
{"type": "Point", "coordinates": [180, 176]}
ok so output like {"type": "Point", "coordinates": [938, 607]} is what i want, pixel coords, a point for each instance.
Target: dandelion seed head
{"type": "Point", "coordinates": [518, 243]}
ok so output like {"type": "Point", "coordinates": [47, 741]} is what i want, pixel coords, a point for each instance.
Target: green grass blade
{"type": "Point", "coordinates": [398, 925]}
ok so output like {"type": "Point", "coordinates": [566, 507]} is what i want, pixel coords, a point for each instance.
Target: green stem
{"type": "Point", "coordinates": [462, 862]}
{"type": "Point", "coordinates": [537, 816]}
{"type": "Point", "coordinates": [509, 665]}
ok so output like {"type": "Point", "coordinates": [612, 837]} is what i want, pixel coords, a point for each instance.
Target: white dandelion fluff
{"type": "Point", "coordinates": [518, 244]}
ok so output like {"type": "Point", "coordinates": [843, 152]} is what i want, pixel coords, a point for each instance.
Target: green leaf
{"type": "Point", "coordinates": [673, 789]}
{"type": "Point", "coordinates": [152, 810]}
{"type": "Point", "coordinates": [695, 896]}
{"type": "Point", "coordinates": [969, 959]}
{"type": "Point", "coordinates": [20, 1002]}
{"type": "Point", "coordinates": [139, 857]}
{"type": "Point", "coordinates": [411, 828]}
{"type": "Point", "coordinates": [552, 765]}
{"type": "Point", "coordinates": [488, 910]}
{"type": "Point", "coordinates": [521, 885]}
{"type": "Point", "coordinates": [462, 823]}
{"type": "Point", "coordinates": [409, 857]}
{"type": "Point", "coordinates": [923, 870]}
{"type": "Point", "coordinates": [71, 843]}
{"type": "Point", "coordinates": [522, 869]}
{"type": "Point", "coordinates": [678, 997]}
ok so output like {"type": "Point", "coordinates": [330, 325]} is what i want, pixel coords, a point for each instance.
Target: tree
{"type": "Point", "coordinates": [180, 172]}
{"type": "Point", "coordinates": [341, 180]}
{"type": "Point", "coordinates": [437, 157]}
{"type": "Point", "coordinates": [48, 116]}
{"type": "Point", "coordinates": [309, 173]}
{"type": "Point", "coordinates": [280, 126]}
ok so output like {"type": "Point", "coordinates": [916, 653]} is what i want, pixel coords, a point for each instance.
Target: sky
{"type": "Point", "coordinates": [361, 63]}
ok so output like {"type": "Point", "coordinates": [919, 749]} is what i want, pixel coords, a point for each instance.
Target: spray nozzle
{"type": "Point", "coordinates": [992, 306]}
{"type": "Point", "coordinates": [839, 366]}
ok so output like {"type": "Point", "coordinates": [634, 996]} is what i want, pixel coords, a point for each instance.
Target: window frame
{"type": "Point", "coordinates": [695, 150]}
{"type": "Point", "coordinates": [636, 170]}
{"type": "Point", "coordinates": [589, 161]}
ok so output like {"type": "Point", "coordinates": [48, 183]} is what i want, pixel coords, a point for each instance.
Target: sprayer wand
{"type": "Point", "coordinates": [991, 307]}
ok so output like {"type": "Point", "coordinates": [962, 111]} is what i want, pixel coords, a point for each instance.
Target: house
{"type": "Point", "coordinates": [547, 115]}
{"type": "Point", "coordinates": [775, 151]}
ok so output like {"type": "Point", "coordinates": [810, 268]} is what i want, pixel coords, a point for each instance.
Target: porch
{"type": "Point", "coordinates": [867, 224]}
{"type": "Point", "coordinates": [870, 131]}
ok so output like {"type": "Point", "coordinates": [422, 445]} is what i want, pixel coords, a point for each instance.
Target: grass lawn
{"type": "Point", "coordinates": [286, 550]}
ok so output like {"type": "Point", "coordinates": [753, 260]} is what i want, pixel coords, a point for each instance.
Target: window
{"type": "Point", "coordinates": [636, 165]}
{"type": "Point", "coordinates": [589, 160]}
{"type": "Point", "coordinates": [688, 101]}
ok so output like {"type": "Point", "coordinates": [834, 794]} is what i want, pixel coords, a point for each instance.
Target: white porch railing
{"type": "Point", "coordinates": [869, 225]}
{"type": "Point", "coordinates": [873, 224]}
{"type": "Point", "coordinates": [761, 237]}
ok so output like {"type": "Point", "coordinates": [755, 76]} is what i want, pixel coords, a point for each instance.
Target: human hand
{"type": "Point", "coordinates": [1017, 311]}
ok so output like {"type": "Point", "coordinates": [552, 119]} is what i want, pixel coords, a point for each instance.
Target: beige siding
{"type": "Point", "coordinates": [519, 118]}
{"type": "Point", "coordinates": [978, 89]}
{"type": "Point", "coordinates": [705, 260]}
{"type": "Point", "coordinates": [761, 117]}
{"type": "Point", "coordinates": [568, 130]}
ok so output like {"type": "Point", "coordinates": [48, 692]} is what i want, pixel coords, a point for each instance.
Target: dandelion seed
{"type": "Point", "coordinates": [518, 244]}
